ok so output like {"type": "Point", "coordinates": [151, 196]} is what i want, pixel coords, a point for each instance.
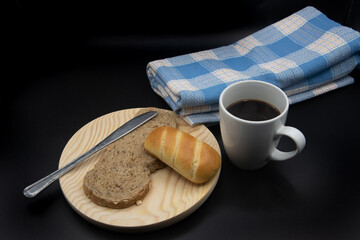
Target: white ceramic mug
{"type": "Point", "coordinates": [251, 144]}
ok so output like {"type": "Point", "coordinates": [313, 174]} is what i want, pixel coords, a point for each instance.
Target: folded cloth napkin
{"type": "Point", "coordinates": [305, 54]}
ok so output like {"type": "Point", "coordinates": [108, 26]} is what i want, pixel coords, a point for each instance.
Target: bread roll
{"type": "Point", "coordinates": [193, 159]}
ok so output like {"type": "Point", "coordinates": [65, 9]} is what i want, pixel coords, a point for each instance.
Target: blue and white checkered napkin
{"type": "Point", "coordinates": [305, 54]}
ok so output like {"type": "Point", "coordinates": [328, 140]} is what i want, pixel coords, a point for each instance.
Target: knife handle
{"type": "Point", "coordinates": [35, 188]}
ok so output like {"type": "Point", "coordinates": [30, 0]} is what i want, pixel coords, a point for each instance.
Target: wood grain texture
{"type": "Point", "coordinates": [171, 196]}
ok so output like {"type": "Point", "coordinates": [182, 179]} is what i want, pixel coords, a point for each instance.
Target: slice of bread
{"type": "Point", "coordinates": [117, 180]}
{"type": "Point", "coordinates": [122, 175]}
{"type": "Point", "coordinates": [164, 118]}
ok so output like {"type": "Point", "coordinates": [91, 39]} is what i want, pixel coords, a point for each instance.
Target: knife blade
{"type": "Point", "coordinates": [35, 188]}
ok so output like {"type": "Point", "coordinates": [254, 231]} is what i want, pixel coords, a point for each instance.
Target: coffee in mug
{"type": "Point", "coordinates": [253, 110]}
{"type": "Point", "coordinates": [252, 120]}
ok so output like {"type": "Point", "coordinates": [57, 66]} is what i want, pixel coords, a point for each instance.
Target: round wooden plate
{"type": "Point", "coordinates": [170, 199]}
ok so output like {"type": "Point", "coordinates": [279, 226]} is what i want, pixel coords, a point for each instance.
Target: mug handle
{"type": "Point", "coordinates": [298, 138]}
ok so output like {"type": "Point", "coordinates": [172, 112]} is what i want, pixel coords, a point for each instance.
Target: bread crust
{"type": "Point", "coordinates": [193, 159]}
{"type": "Point", "coordinates": [183, 158]}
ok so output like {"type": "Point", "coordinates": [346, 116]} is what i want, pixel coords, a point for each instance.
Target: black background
{"type": "Point", "coordinates": [69, 62]}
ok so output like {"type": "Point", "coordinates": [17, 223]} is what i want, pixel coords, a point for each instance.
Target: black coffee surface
{"type": "Point", "coordinates": [253, 110]}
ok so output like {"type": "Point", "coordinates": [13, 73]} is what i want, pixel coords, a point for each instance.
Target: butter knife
{"type": "Point", "coordinates": [37, 187]}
